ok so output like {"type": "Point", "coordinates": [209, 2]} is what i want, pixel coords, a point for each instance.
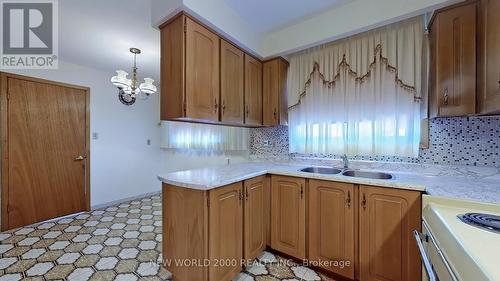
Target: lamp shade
{"type": "Point", "coordinates": [120, 80]}
{"type": "Point", "coordinates": [148, 87]}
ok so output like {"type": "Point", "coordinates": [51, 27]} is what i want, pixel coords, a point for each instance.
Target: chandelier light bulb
{"type": "Point", "coordinates": [148, 87]}
{"type": "Point", "coordinates": [120, 80]}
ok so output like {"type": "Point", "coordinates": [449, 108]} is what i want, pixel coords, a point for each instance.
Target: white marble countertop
{"type": "Point", "coordinates": [460, 182]}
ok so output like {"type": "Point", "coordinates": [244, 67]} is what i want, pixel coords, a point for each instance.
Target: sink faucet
{"type": "Point", "coordinates": [345, 160]}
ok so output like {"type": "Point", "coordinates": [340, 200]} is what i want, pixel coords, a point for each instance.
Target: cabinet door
{"type": "Point", "coordinates": [202, 72]}
{"type": "Point", "coordinates": [253, 91]}
{"type": "Point", "coordinates": [288, 215]}
{"type": "Point", "coordinates": [225, 231]}
{"type": "Point", "coordinates": [489, 56]}
{"type": "Point", "coordinates": [232, 66]}
{"type": "Point", "coordinates": [255, 218]}
{"type": "Point", "coordinates": [387, 250]}
{"type": "Point", "coordinates": [271, 93]}
{"type": "Point", "coordinates": [455, 58]}
{"type": "Point", "coordinates": [331, 225]}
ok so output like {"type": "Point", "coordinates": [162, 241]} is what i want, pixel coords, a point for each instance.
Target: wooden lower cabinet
{"type": "Point", "coordinates": [331, 226]}
{"type": "Point", "coordinates": [185, 231]}
{"type": "Point", "coordinates": [255, 217]}
{"type": "Point", "coordinates": [225, 245]}
{"type": "Point", "coordinates": [367, 228]}
{"type": "Point", "coordinates": [288, 212]}
{"type": "Point", "coordinates": [387, 250]}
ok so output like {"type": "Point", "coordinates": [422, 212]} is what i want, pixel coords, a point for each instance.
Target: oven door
{"type": "Point", "coordinates": [435, 263]}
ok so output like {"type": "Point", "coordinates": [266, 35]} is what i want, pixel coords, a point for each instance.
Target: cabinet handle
{"type": "Point", "coordinates": [215, 105]}
{"type": "Point", "coordinates": [223, 106]}
{"type": "Point", "coordinates": [301, 191]}
{"type": "Point", "coordinates": [445, 96]}
{"type": "Point", "coordinates": [246, 194]}
{"type": "Point", "coordinates": [247, 111]}
{"type": "Point", "coordinates": [275, 113]}
{"type": "Point", "coordinates": [348, 201]}
{"type": "Point", "coordinates": [363, 202]}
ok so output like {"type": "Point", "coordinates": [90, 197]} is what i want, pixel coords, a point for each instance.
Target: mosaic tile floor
{"type": "Point", "coordinates": [121, 242]}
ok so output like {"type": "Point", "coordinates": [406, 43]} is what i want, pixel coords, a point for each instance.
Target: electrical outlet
{"type": "Point", "coordinates": [95, 135]}
{"type": "Point", "coordinates": [148, 142]}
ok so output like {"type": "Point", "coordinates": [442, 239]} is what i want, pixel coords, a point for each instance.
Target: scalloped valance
{"type": "Point", "coordinates": [398, 46]}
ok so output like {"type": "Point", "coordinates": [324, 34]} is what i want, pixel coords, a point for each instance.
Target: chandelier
{"type": "Point", "coordinates": [128, 89]}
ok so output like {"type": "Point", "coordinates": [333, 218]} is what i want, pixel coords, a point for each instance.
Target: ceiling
{"type": "Point", "coordinates": [98, 34]}
{"type": "Point", "coordinates": [268, 15]}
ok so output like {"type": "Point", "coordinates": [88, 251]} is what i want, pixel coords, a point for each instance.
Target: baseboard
{"type": "Point", "coordinates": [116, 202]}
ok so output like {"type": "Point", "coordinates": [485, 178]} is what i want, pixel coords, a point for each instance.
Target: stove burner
{"type": "Point", "coordinates": [484, 221]}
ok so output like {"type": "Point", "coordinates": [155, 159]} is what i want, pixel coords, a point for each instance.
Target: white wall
{"type": "Point", "coordinates": [342, 21]}
{"type": "Point", "coordinates": [122, 164]}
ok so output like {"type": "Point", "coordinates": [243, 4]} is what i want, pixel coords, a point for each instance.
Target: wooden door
{"type": "Point", "coordinates": [44, 132]}
{"type": "Point", "coordinates": [254, 239]}
{"type": "Point", "coordinates": [331, 225]}
{"type": "Point", "coordinates": [288, 215]}
{"type": "Point", "coordinates": [387, 250]}
{"type": "Point", "coordinates": [232, 66]}
{"type": "Point", "coordinates": [202, 72]}
{"type": "Point", "coordinates": [270, 92]}
{"type": "Point", "coordinates": [226, 232]}
{"type": "Point", "coordinates": [253, 91]}
{"type": "Point", "coordinates": [489, 57]}
{"type": "Point", "coordinates": [455, 58]}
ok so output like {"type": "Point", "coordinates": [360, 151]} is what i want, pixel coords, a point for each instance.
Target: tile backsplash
{"type": "Point", "coordinates": [471, 141]}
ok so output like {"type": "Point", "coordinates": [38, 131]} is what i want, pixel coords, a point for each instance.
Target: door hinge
{"type": "Point", "coordinates": [185, 108]}
{"type": "Point", "coordinates": [185, 25]}
{"type": "Point", "coordinates": [8, 208]}
{"type": "Point", "coordinates": [8, 95]}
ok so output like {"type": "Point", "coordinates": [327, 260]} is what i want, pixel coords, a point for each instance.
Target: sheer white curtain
{"type": "Point", "coordinates": [361, 95]}
{"type": "Point", "coordinates": [183, 135]}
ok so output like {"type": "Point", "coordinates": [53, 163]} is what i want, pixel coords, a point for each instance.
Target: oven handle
{"type": "Point", "coordinates": [423, 254]}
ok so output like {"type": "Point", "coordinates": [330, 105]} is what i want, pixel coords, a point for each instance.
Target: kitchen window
{"type": "Point", "coordinates": [359, 96]}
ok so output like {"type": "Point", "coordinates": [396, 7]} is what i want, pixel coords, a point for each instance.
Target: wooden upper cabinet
{"type": "Point", "coordinates": [172, 67]}
{"type": "Point", "coordinates": [331, 225]}
{"type": "Point", "coordinates": [253, 91]}
{"type": "Point", "coordinates": [225, 231]}
{"type": "Point", "coordinates": [275, 105]}
{"type": "Point", "coordinates": [387, 249]}
{"type": "Point", "coordinates": [489, 57]}
{"type": "Point", "coordinates": [232, 67]}
{"type": "Point", "coordinates": [288, 215]}
{"type": "Point", "coordinates": [255, 217]}
{"type": "Point", "coordinates": [202, 72]}
{"type": "Point", "coordinates": [189, 71]}
{"type": "Point", "coordinates": [453, 33]}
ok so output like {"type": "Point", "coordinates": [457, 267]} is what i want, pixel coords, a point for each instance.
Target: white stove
{"type": "Point", "coordinates": [453, 244]}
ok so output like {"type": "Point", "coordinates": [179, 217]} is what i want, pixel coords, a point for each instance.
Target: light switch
{"type": "Point", "coordinates": [148, 142]}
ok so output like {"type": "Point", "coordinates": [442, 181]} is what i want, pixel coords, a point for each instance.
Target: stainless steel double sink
{"type": "Point", "coordinates": [348, 173]}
